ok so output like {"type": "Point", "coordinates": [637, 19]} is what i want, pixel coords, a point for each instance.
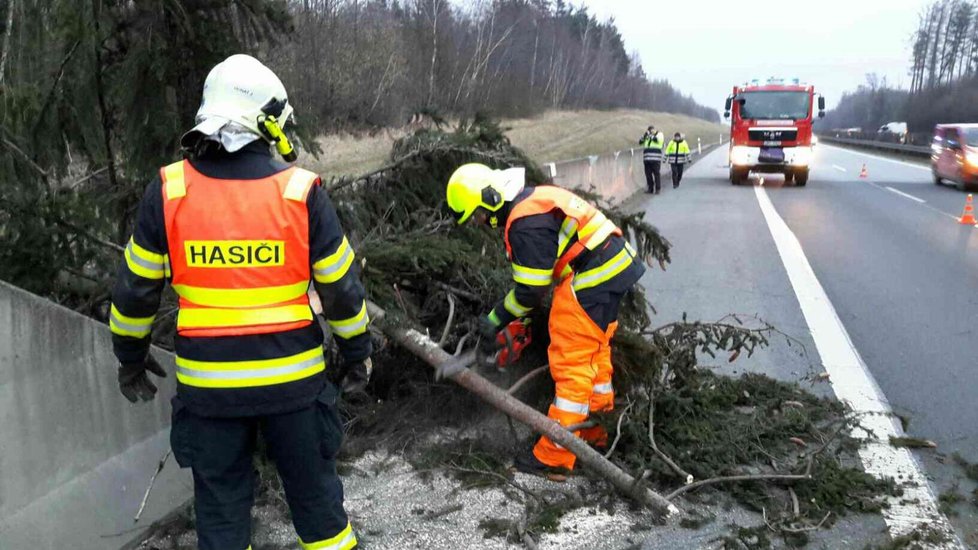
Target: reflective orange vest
{"type": "Point", "coordinates": [238, 251]}
{"type": "Point", "coordinates": [587, 222]}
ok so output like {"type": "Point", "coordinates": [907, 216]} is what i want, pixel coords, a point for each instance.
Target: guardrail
{"type": "Point", "coordinates": [911, 150]}
{"type": "Point", "coordinates": [617, 175]}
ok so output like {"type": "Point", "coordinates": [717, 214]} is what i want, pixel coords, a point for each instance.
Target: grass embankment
{"type": "Point", "coordinates": [563, 135]}
{"type": "Point", "coordinates": [554, 136]}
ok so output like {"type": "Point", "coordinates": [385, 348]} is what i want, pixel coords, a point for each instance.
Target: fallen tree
{"type": "Point", "coordinates": [682, 430]}
{"type": "Point", "coordinates": [430, 352]}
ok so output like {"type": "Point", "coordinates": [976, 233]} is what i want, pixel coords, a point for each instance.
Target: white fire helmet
{"type": "Point", "coordinates": [237, 90]}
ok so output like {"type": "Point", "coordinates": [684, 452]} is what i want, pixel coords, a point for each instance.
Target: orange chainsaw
{"type": "Point", "coordinates": [513, 339]}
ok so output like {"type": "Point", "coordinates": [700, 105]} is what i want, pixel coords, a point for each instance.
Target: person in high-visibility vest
{"type": "Point", "coordinates": [239, 236]}
{"type": "Point", "coordinates": [553, 237]}
{"type": "Point", "coordinates": [677, 155]}
{"type": "Point", "coordinates": [651, 143]}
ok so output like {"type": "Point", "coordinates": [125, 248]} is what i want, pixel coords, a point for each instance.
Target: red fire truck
{"type": "Point", "coordinates": [771, 129]}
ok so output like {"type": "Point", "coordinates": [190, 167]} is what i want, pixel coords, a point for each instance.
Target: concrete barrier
{"type": "Point", "coordinates": [75, 456]}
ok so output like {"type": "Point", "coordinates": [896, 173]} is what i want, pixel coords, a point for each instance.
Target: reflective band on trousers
{"type": "Point", "coordinates": [348, 328]}
{"type": "Point", "coordinates": [213, 317]}
{"type": "Point", "coordinates": [123, 325]}
{"type": "Point", "coordinates": [241, 297]}
{"type": "Point", "coordinates": [343, 541]}
{"type": "Point", "coordinates": [332, 268]}
{"type": "Point", "coordinates": [240, 374]}
{"type": "Point", "coordinates": [594, 277]}
{"type": "Point", "coordinates": [567, 405]}
{"type": "Point", "coordinates": [604, 388]}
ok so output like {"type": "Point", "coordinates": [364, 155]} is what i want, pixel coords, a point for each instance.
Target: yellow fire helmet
{"type": "Point", "coordinates": [473, 186]}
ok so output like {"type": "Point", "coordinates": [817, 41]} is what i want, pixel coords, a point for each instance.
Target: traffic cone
{"type": "Point", "coordinates": [864, 173]}
{"type": "Point", "coordinates": [968, 216]}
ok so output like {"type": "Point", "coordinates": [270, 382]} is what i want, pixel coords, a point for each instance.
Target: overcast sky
{"type": "Point", "coordinates": [704, 47]}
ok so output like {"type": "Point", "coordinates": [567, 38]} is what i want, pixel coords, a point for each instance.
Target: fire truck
{"type": "Point", "coordinates": [771, 129]}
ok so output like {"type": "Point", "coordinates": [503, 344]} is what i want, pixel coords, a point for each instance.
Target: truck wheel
{"type": "Point", "coordinates": [738, 175]}
{"type": "Point", "coordinates": [801, 177]}
{"type": "Point", "coordinates": [937, 179]}
{"type": "Point", "coordinates": [789, 175]}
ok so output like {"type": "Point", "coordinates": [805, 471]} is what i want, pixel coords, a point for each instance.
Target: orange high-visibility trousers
{"type": "Point", "coordinates": [580, 364]}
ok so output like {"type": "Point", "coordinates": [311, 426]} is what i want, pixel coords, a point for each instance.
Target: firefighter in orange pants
{"type": "Point", "coordinates": [553, 237]}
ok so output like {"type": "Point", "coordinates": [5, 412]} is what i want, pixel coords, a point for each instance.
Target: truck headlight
{"type": "Point", "coordinates": [740, 155]}
{"type": "Point", "coordinates": [803, 156]}
{"type": "Point", "coordinates": [972, 159]}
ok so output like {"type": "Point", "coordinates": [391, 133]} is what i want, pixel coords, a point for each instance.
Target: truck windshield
{"type": "Point", "coordinates": [774, 105]}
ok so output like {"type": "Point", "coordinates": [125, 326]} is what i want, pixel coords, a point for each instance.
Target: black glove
{"type": "Point", "coordinates": [133, 382]}
{"type": "Point", "coordinates": [488, 345]}
{"type": "Point", "coordinates": [356, 376]}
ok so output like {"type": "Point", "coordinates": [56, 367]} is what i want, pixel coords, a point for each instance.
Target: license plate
{"type": "Point", "coordinates": [771, 155]}
{"type": "Point", "coordinates": [767, 143]}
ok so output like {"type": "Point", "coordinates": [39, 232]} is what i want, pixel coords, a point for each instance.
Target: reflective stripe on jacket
{"type": "Point", "coordinates": [652, 147]}
{"type": "Point", "coordinates": [582, 221]}
{"type": "Point", "coordinates": [534, 240]}
{"type": "Point", "coordinates": [242, 374]}
{"type": "Point", "coordinates": [677, 152]}
{"type": "Point", "coordinates": [237, 273]}
{"type": "Point", "coordinates": [581, 228]}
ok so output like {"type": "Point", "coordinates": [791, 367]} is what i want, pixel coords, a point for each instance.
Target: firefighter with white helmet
{"type": "Point", "coordinates": [239, 234]}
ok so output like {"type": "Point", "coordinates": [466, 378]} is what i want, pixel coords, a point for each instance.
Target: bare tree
{"type": "Point", "coordinates": [7, 31]}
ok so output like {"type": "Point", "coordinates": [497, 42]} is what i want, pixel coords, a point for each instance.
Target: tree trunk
{"type": "Point", "coordinates": [427, 350]}
{"type": "Point", "coordinates": [436, 9]}
{"type": "Point", "coordinates": [6, 40]}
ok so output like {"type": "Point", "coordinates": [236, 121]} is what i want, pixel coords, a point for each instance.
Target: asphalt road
{"type": "Point", "coordinates": [901, 273]}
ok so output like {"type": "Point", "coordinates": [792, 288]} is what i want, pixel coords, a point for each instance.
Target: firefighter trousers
{"type": "Point", "coordinates": [302, 444]}
{"type": "Point", "coordinates": [580, 364]}
{"type": "Point", "coordinates": [653, 179]}
{"type": "Point", "coordinates": [677, 173]}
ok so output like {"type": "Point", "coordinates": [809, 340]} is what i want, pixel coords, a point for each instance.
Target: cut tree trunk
{"type": "Point", "coordinates": [428, 350]}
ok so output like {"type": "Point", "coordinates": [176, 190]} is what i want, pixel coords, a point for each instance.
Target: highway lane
{"type": "Point", "coordinates": [901, 274]}
{"type": "Point", "coordinates": [903, 277]}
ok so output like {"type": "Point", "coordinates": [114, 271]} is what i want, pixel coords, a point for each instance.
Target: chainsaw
{"type": "Point", "coordinates": [512, 340]}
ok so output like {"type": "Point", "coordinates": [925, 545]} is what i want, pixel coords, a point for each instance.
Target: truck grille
{"type": "Point", "coordinates": [772, 134]}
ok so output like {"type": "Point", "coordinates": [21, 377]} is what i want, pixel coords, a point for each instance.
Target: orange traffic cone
{"type": "Point", "coordinates": [864, 173]}
{"type": "Point", "coordinates": [968, 216]}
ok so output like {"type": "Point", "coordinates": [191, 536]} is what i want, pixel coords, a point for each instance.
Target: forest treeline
{"type": "Point", "coordinates": [943, 72]}
{"type": "Point", "coordinates": [94, 94]}
{"type": "Point", "coordinates": [374, 62]}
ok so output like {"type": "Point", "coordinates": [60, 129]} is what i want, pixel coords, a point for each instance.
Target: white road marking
{"type": "Point", "coordinates": [902, 194]}
{"type": "Point", "coordinates": [877, 157]}
{"type": "Point", "coordinates": [839, 168]}
{"type": "Point", "coordinates": [855, 385]}
{"type": "Point", "coordinates": [924, 204]}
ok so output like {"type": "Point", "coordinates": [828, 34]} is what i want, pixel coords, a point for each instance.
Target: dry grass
{"type": "Point", "coordinates": [563, 135]}
{"type": "Point", "coordinates": [350, 154]}
{"type": "Point", "coordinates": [554, 136]}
